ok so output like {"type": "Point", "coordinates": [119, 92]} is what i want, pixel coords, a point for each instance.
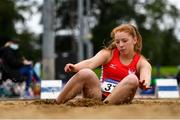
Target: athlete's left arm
{"type": "Point", "coordinates": [145, 73]}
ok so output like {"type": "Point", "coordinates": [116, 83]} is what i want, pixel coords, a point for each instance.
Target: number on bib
{"type": "Point", "coordinates": [108, 85]}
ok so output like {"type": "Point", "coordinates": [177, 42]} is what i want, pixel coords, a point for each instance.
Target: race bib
{"type": "Point", "coordinates": [108, 85]}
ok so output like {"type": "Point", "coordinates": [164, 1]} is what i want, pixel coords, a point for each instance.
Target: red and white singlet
{"type": "Point", "coordinates": [114, 71]}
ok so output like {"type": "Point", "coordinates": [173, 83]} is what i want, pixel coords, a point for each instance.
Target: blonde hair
{"type": "Point", "coordinates": [128, 28]}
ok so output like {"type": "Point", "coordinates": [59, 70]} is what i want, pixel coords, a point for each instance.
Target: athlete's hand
{"type": "Point", "coordinates": [69, 68]}
{"type": "Point", "coordinates": [144, 86]}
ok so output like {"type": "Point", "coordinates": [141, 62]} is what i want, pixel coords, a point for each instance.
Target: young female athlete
{"type": "Point", "coordinates": [124, 69]}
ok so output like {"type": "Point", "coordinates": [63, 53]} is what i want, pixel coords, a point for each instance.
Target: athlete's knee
{"type": "Point", "coordinates": [132, 80]}
{"type": "Point", "coordinates": [86, 73]}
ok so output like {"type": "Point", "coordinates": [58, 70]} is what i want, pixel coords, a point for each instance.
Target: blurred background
{"type": "Point", "coordinates": [56, 32]}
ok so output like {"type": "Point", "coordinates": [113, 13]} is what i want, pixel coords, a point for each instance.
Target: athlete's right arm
{"type": "Point", "coordinates": [100, 58]}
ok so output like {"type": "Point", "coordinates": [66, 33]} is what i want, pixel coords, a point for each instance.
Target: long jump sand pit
{"type": "Point", "coordinates": [90, 109]}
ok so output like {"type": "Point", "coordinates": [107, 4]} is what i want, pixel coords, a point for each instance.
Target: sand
{"type": "Point", "coordinates": [90, 109]}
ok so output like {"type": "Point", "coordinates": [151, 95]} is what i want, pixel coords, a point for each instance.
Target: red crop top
{"type": "Point", "coordinates": [115, 70]}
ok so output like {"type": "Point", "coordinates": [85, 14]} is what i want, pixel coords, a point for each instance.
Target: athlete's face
{"type": "Point", "coordinates": [125, 42]}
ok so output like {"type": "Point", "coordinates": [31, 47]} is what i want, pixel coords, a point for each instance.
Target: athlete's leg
{"type": "Point", "coordinates": [124, 92]}
{"type": "Point", "coordinates": [86, 81]}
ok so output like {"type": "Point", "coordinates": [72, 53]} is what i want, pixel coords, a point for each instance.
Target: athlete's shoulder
{"type": "Point", "coordinates": [143, 61]}
{"type": "Point", "coordinates": [106, 52]}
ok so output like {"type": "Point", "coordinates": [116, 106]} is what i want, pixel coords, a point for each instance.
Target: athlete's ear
{"type": "Point", "coordinates": [135, 40]}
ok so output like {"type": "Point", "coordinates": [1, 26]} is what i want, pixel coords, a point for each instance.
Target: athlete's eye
{"type": "Point", "coordinates": [124, 40]}
{"type": "Point", "coordinates": [117, 42]}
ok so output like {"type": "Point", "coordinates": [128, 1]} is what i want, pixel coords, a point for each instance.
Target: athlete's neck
{"type": "Point", "coordinates": [126, 59]}
{"type": "Point", "coordinates": [129, 56]}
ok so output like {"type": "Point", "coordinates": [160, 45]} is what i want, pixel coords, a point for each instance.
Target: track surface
{"type": "Point", "coordinates": [85, 108]}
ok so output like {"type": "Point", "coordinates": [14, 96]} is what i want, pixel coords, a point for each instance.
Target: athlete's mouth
{"type": "Point", "coordinates": [122, 50]}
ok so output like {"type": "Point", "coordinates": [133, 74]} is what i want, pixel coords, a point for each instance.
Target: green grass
{"type": "Point", "coordinates": [98, 72]}
{"type": "Point", "coordinates": [165, 71]}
